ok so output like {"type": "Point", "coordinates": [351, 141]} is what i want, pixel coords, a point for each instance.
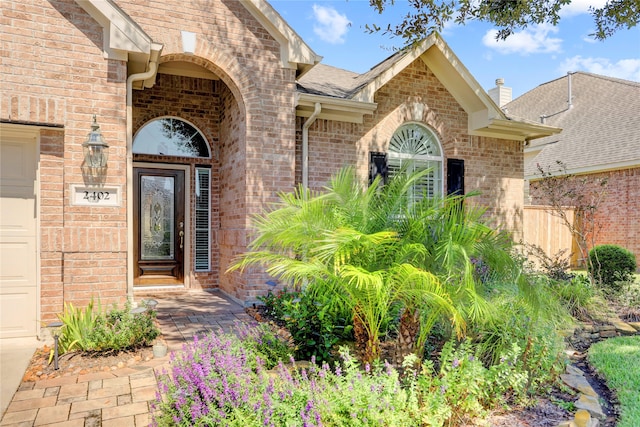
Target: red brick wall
{"type": "Point", "coordinates": [53, 71]}
{"type": "Point", "coordinates": [257, 113]}
{"type": "Point", "coordinates": [619, 212]}
{"type": "Point", "coordinates": [492, 166]}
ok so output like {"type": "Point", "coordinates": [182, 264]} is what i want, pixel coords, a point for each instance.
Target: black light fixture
{"type": "Point", "coordinates": [95, 148]}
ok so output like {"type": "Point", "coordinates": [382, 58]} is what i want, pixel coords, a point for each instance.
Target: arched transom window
{"type": "Point", "coordinates": [170, 136]}
{"type": "Point", "coordinates": [415, 147]}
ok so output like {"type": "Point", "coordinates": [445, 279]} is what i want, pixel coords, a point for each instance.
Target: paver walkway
{"type": "Point", "coordinates": [122, 397]}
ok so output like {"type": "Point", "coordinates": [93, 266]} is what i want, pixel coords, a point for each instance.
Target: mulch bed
{"type": "Point", "coordinates": [76, 363]}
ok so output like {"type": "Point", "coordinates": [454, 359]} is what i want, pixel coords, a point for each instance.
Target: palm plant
{"type": "Point", "coordinates": [374, 250]}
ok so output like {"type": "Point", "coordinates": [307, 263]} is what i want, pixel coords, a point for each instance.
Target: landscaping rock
{"type": "Point", "coordinates": [583, 419]}
{"type": "Point", "coordinates": [578, 383]}
{"type": "Point", "coordinates": [624, 328]}
{"type": "Point", "coordinates": [635, 325]}
{"type": "Point", "coordinates": [591, 404]}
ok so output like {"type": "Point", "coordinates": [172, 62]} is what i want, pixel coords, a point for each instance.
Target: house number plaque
{"type": "Point", "coordinates": [95, 196]}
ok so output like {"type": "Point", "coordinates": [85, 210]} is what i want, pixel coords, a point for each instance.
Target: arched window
{"type": "Point", "coordinates": [415, 147]}
{"type": "Point", "coordinates": [170, 136]}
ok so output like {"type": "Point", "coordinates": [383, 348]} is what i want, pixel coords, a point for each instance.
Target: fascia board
{"type": "Point", "coordinates": [367, 93]}
{"type": "Point", "coordinates": [294, 52]}
{"type": "Point", "coordinates": [515, 130]}
{"type": "Point", "coordinates": [607, 167]}
{"type": "Point", "coordinates": [343, 110]}
{"type": "Point", "coordinates": [121, 34]}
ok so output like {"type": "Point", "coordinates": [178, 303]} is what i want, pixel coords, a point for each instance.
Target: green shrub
{"type": "Point", "coordinates": [261, 341]}
{"type": "Point", "coordinates": [312, 320]}
{"type": "Point", "coordinates": [611, 265]}
{"type": "Point", "coordinates": [89, 331]}
{"type": "Point", "coordinates": [120, 329]}
{"type": "Point", "coordinates": [77, 324]}
{"type": "Point", "coordinates": [575, 296]}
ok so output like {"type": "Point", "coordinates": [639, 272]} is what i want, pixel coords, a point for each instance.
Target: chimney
{"type": "Point", "coordinates": [500, 94]}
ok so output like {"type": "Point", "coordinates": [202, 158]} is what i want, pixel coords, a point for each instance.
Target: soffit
{"type": "Point", "coordinates": [294, 52]}
{"type": "Point", "coordinates": [123, 39]}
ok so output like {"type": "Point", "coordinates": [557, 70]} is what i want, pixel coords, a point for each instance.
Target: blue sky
{"type": "Point", "coordinates": [335, 30]}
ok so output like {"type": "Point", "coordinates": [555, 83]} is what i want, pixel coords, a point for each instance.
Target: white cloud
{"type": "Point", "coordinates": [628, 69]}
{"type": "Point", "coordinates": [330, 25]}
{"type": "Point", "coordinates": [578, 7]}
{"type": "Point", "coordinates": [535, 39]}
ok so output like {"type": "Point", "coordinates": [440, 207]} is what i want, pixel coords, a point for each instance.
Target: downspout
{"type": "Point", "coordinates": [153, 67]}
{"type": "Point", "coordinates": [305, 144]}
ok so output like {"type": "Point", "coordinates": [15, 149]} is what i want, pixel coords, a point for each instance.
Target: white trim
{"type": "Point", "coordinates": [187, 216]}
{"type": "Point", "coordinates": [294, 52]}
{"type": "Point", "coordinates": [338, 109]}
{"type": "Point", "coordinates": [485, 118]}
{"type": "Point", "coordinates": [607, 167]}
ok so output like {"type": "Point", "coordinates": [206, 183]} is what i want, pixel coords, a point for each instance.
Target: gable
{"type": "Point", "coordinates": [485, 118]}
{"type": "Point", "coordinates": [124, 39]}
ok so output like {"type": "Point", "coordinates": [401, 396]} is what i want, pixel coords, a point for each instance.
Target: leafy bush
{"type": "Point", "coordinates": [89, 331]}
{"type": "Point", "coordinates": [311, 318]}
{"type": "Point", "coordinates": [611, 266]}
{"type": "Point", "coordinates": [119, 329]}
{"type": "Point", "coordinates": [219, 380]}
{"type": "Point", "coordinates": [261, 341]}
{"type": "Point", "coordinates": [628, 301]}
{"type": "Point", "coordinates": [556, 266]}
{"type": "Point", "coordinates": [575, 296]}
{"type": "Point", "coordinates": [77, 324]}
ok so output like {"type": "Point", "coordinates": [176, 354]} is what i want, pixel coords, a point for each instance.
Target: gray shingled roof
{"type": "Point", "coordinates": [601, 129]}
{"type": "Point", "coordinates": [336, 82]}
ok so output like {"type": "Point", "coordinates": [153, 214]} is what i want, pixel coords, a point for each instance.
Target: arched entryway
{"type": "Point", "coordinates": [184, 126]}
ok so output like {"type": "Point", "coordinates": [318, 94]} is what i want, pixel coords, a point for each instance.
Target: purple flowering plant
{"type": "Point", "coordinates": [219, 380]}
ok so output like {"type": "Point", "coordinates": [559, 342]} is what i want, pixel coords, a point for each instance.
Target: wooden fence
{"type": "Point", "coordinates": [547, 231]}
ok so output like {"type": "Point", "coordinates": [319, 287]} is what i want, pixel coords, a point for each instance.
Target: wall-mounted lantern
{"type": "Point", "coordinates": [95, 148]}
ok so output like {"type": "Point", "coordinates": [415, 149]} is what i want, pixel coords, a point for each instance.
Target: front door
{"type": "Point", "coordinates": [159, 226]}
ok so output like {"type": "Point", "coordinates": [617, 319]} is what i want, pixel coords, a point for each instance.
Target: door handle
{"type": "Point", "coordinates": [181, 234]}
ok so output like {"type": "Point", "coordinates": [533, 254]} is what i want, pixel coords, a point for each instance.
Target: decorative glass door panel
{"type": "Point", "coordinates": [157, 222]}
{"type": "Point", "coordinates": [159, 226]}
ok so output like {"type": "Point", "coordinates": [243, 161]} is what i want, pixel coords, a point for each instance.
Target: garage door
{"type": "Point", "coordinates": [18, 278]}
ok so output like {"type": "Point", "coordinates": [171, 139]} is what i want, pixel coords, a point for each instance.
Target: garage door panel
{"type": "Point", "coordinates": [17, 162]}
{"type": "Point", "coordinates": [18, 251]}
{"type": "Point", "coordinates": [18, 215]}
{"type": "Point", "coordinates": [18, 317]}
{"type": "Point", "coordinates": [16, 268]}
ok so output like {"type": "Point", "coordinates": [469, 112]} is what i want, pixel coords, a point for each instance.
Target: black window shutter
{"type": "Point", "coordinates": [377, 166]}
{"type": "Point", "coordinates": [455, 176]}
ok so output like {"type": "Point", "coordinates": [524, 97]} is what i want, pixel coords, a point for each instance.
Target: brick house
{"type": "Point", "coordinates": [599, 139]}
{"type": "Point", "coordinates": [208, 110]}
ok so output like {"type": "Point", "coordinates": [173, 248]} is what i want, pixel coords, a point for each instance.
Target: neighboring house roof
{"type": "Point", "coordinates": [329, 84]}
{"type": "Point", "coordinates": [601, 127]}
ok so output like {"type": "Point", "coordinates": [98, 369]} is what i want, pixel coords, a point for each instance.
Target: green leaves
{"type": "Point", "coordinates": [87, 330]}
{"type": "Point", "coordinates": [370, 248]}
{"type": "Point", "coordinates": [78, 324]}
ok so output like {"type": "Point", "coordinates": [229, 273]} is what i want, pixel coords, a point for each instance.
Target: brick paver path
{"type": "Point", "coordinates": [123, 397]}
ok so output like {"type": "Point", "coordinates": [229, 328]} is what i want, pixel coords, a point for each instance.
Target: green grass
{"type": "Point", "coordinates": [618, 360]}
